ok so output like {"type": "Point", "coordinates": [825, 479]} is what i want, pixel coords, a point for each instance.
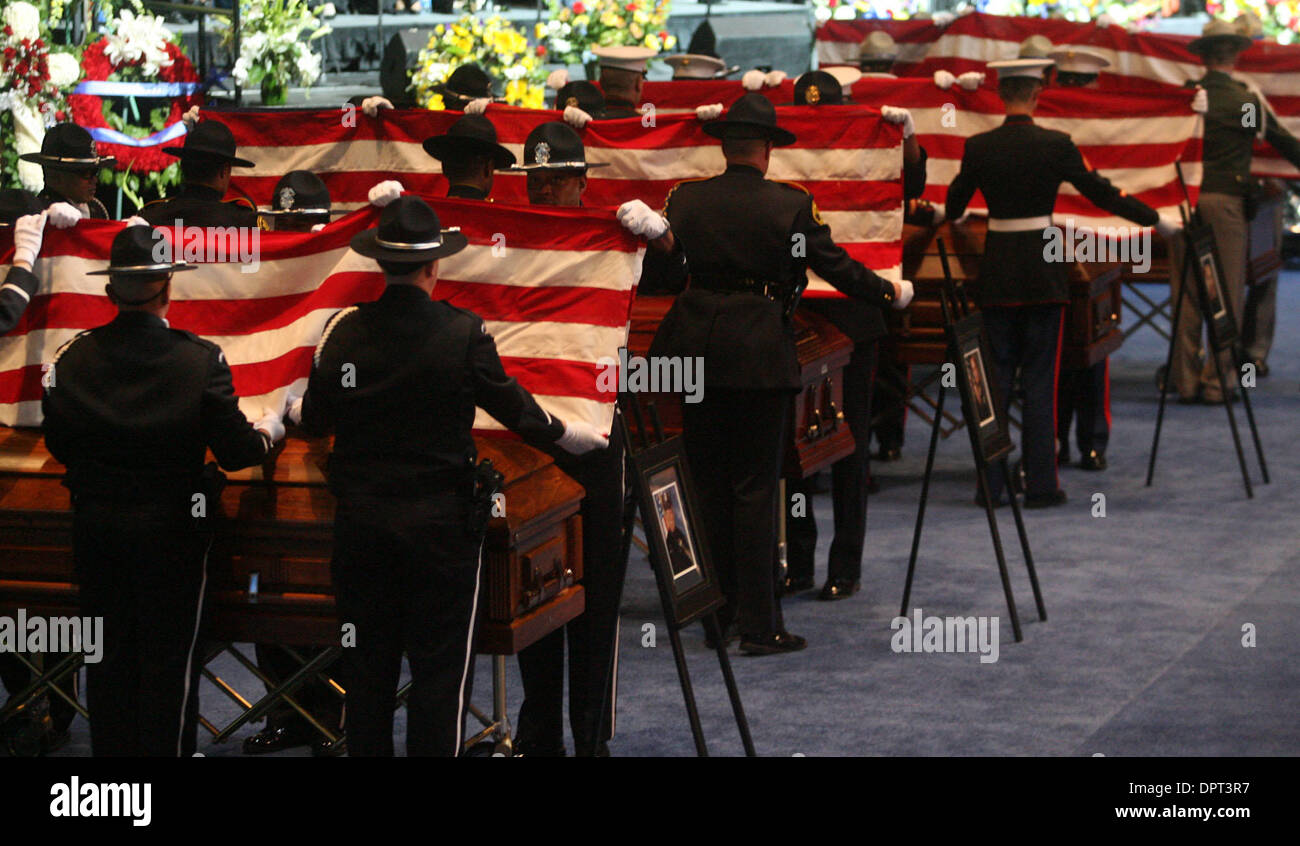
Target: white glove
{"type": "Point", "coordinates": [712, 111]}
{"type": "Point", "coordinates": [292, 407]}
{"type": "Point", "coordinates": [903, 292]}
{"type": "Point", "coordinates": [944, 79]}
{"type": "Point", "coordinates": [64, 215]}
{"type": "Point", "coordinates": [477, 106]}
{"type": "Point", "coordinates": [385, 192]}
{"type": "Point", "coordinates": [580, 437]}
{"type": "Point", "coordinates": [371, 105]}
{"type": "Point", "coordinates": [942, 19]}
{"type": "Point", "coordinates": [1168, 227]}
{"type": "Point", "coordinates": [640, 219]}
{"type": "Point", "coordinates": [190, 118]}
{"type": "Point", "coordinates": [317, 227]}
{"type": "Point", "coordinates": [752, 80]}
{"type": "Point", "coordinates": [971, 80]}
{"type": "Point", "coordinates": [940, 215]}
{"type": "Point", "coordinates": [1201, 101]}
{"type": "Point", "coordinates": [137, 220]}
{"type": "Point", "coordinates": [1104, 19]}
{"type": "Point", "coordinates": [270, 425]}
{"type": "Point", "coordinates": [774, 78]}
{"type": "Point", "coordinates": [576, 117]}
{"type": "Point", "coordinates": [557, 79]}
{"type": "Point", "coordinates": [29, 231]}
{"type": "Point", "coordinates": [893, 114]}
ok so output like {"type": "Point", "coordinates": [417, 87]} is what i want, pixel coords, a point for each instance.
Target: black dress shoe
{"type": "Point", "coordinates": [1261, 367]}
{"type": "Point", "coordinates": [322, 748]}
{"type": "Point", "coordinates": [838, 589]}
{"type": "Point", "coordinates": [599, 750]}
{"type": "Point", "coordinates": [773, 643]}
{"type": "Point", "coordinates": [795, 584]}
{"type": "Point", "coordinates": [889, 454]}
{"type": "Point", "coordinates": [524, 749]}
{"type": "Point", "coordinates": [275, 740]}
{"type": "Point", "coordinates": [1047, 500]}
{"type": "Point", "coordinates": [1093, 461]}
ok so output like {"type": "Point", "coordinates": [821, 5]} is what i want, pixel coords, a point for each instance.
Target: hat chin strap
{"type": "Point", "coordinates": [118, 300]}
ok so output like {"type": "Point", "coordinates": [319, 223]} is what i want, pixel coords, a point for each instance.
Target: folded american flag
{"type": "Point", "coordinates": [851, 161]}
{"type": "Point", "coordinates": [554, 285]}
{"type": "Point", "coordinates": [1139, 61]}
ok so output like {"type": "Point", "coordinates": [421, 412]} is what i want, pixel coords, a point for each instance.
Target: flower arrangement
{"type": "Point", "coordinates": [495, 45]}
{"type": "Point", "coordinates": [272, 52]}
{"type": "Point", "coordinates": [1281, 18]}
{"type": "Point", "coordinates": [138, 49]}
{"type": "Point", "coordinates": [32, 82]}
{"type": "Point", "coordinates": [571, 31]}
{"type": "Point", "coordinates": [847, 10]}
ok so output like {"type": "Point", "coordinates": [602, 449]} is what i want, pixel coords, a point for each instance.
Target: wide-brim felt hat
{"type": "Point", "coordinates": [16, 203]}
{"type": "Point", "coordinates": [1218, 32]}
{"type": "Point", "coordinates": [584, 94]}
{"type": "Point", "coordinates": [752, 116]}
{"type": "Point", "coordinates": [301, 192]}
{"type": "Point", "coordinates": [818, 88]}
{"type": "Point", "coordinates": [467, 82]}
{"type": "Point", "coordinates": [209, 139]}
{"type": "Point", "coordinates": [696, 66]}
{"type": "Point", "coordinates": [67, 146]}
{"type": "Point", "coordinates": [555, 146]}
{"type": "Point", "coordinates": [409, 232]}
{"type": "Point", "coordinates": [471, 135]}
{"type": "Point", "coordinates": [135, 253]}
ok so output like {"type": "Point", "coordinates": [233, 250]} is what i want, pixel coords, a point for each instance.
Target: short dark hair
{"type": "Point", "coordinates": [1018, 89]}
{"type": "Point", "coordinates": [733, 147]}
{"type": "Point", "coordinates": [464, 167]}
{"type": "Point", "coordinates": [619, 79]}
{"type": "Point", "coordinates": [1222, 53]}
{"type": "Point", "coordinates": [134, 287]}
{"type": "Point", "coordinates": [402, 268]}
{"type": "Point", "coordinates": [201, 168]}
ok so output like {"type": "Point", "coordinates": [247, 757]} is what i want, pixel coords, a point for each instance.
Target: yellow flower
{"type": "Point", "coordinates": [436, 104]}
{"type": "Point", "coordinates": [440, 29]}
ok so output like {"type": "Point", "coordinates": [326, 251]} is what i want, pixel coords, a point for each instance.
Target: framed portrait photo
{"type": "Point", "coordinates": [674, 530]}
{"type": "Point", "coordinates": [969, 349]}
{"type": "Point", "coordinates": [1207, 272]}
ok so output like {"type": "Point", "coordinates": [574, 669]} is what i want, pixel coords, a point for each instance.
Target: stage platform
{"type": "Point", "coordinates": [750, 34]}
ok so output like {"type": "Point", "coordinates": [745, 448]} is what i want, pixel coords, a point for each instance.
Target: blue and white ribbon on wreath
{"type": "Point", "coordinates": [103, 88]}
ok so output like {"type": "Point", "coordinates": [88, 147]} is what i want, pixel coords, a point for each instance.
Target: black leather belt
{"type": "Point", "coordinates": [774, 291]}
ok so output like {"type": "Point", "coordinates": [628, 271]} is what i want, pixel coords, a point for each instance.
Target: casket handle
{"type": "Point", "coordinates": [836, 413]}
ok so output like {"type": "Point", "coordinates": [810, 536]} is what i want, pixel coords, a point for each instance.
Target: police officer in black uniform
{"type": "Point", "coordinates": [20, 211]}
{"type": "Point", "coordinates": [864, 324]}
{"type": "Point", "coordinates": [207, 157]}
{"type": "Point", "coordinates": [741, 235]}
{"type": "Point", "coordinates": [397, 381]}
{"type": "Point", "coordinates": [71, 169]}
{"type": "Point", "coordinates": [1019, 167]}
{"type": "Point", "coordinates": [470, 155]}
{"type": "Point", "coordinates": [622, 75]}
{"type": "Point", "coordinates": [300, 203]}
{"type": "Point", "coordinates": [130, 408]}
{"type": "Point", "coordinates": [555, 164]}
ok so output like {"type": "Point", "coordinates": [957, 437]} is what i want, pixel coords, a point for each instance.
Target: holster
{"type": "Point", "coordinates": [485, 482]}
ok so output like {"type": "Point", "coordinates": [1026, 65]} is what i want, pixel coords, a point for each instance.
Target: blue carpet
{"type": "Point", "coordinates": [1142, 654]}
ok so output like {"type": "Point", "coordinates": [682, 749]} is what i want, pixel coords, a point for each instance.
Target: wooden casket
{"type": "Point", "coordinates": [269, 567]}
{"type": "Point", "coordinates": [820, 436]}
{"type": "Point", "coordinates": [1092, 319]}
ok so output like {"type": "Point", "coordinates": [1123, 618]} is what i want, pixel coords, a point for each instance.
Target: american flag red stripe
{"type": "Point", "coordinates": [1139, 61]}
{"type": "Point", "coordinates": [849, 159]}
{"type": "Point", "coordinates": [555, 287]}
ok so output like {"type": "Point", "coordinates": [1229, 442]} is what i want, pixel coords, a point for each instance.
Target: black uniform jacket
{"type": "Point", "coordinates": [199, 205]}
{"type": "Point", "coordinates": [1019, 167]}
{"type": "Point", "coordinates": [131, 407]}
{"type": "Point", "coordinates": [740, 232]}
{"type": "Point", "coordinates": [397, 381]}
{"type": "Point", "coordinates": [17, 291]}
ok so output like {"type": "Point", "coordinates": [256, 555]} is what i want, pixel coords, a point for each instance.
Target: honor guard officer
{"type": "Point", "coordinates": [877, 54]}
{"type": "Point", "coordinates": [701, 59]}
{"type": "Point", "coordinates": [27, 216]}
{"type": "Point", "coordinates": [748, 242]}
{"type": "Point", "coordinates": [580, 100]}
{"type": "Point", "coordinates": [300, 203]}
{"type": "Point", "coordinates": [556, 166]}
{"type": "Point", "coordinates": [1019, 167]}
{"type": "Point", "coordinates": [1082, 394]}
{"type": "Point", "coordinates": [864, 324]}
{"type": "Point", "coordinates": [130, 409]}
{"type": "Point", "coordinates": [71, 169]}
{"type": "Point", "coordinates": [622, 75]}
{"type": "Point", "coordinates": [207, 157]}
{"type": "Point", "coordinates": [1226, 183]}
{"type": "Point", "coordinates": [470, 155]}
{"type": "Point", "coordinates": [397, 381]}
